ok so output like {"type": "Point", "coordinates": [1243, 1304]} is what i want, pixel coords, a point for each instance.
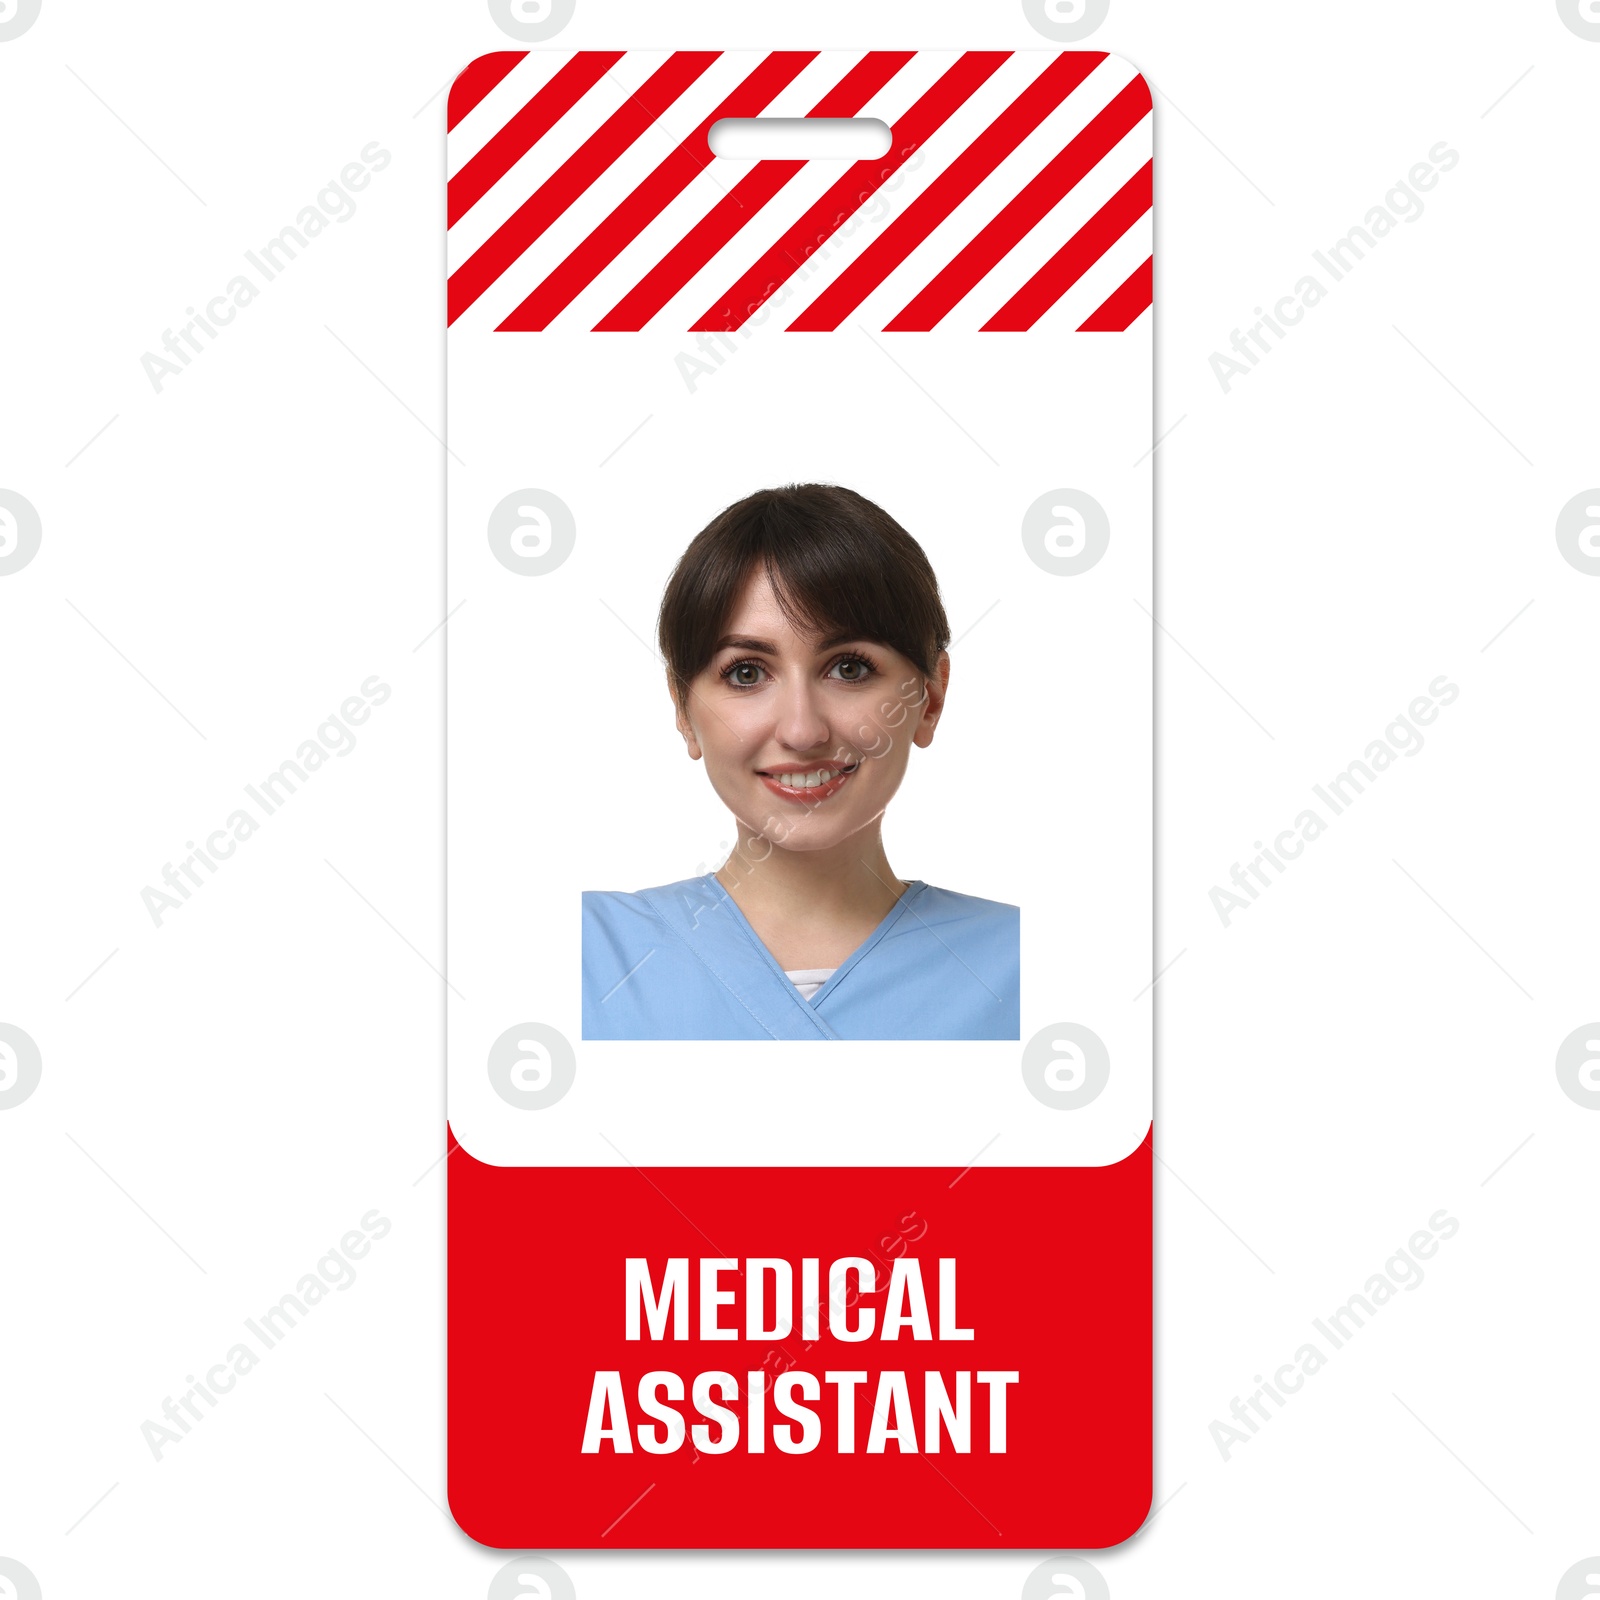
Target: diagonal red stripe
{"type": "Point", "coordinates": [525, 130]}
{"type": "Point", "coordinates": [475, 80]}
{"type": "Point", "coordinates": [1127, 305]}
{"type": "Point", "coordinates": [947, 191]}
{"type": "Point", "coordinates": [743, 201]}
{"type": "Point", "coordinates": [852, 191]}
{"type": "Point", "coordinates": [1076, 256]}
{"type": "Point", "coordinates": [541, 208]}
{"type": "Point", "coordinates": [652, 197]}
{"type": "Point", "coordinates": [1031, 204]}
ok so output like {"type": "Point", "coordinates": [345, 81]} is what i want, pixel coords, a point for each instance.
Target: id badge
{"type": "Point", "coordinates": [800, 799]}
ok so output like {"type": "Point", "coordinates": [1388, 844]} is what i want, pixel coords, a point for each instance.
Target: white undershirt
{"type": "Point", "coordinates": [810, 979]}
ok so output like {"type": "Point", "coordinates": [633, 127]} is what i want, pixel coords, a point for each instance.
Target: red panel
{"type": "Point", "coordinates": [1053, 1276]}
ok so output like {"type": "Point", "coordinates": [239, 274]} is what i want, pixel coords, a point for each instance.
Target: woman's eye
{"type": "Point", "coordinates": [744, 674]}
{"type": "Point", "coordinates": [851, 670]}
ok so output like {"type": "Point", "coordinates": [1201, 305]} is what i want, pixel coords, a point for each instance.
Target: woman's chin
{"type": "Point", "coordinates": [801, 843]}
{"type": "Point", "coordinates": [809, 835]}
{"type": "Point", "coordinates": [805, 829]}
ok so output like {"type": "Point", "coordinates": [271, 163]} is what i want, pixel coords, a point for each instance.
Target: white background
{"type": "Point", "coordinates": [1373, 1040]}
{"type": "Point", "coordinates": [567, 773]}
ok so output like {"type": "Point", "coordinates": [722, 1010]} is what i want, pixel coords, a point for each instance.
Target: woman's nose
{"type": "Point", "coordinates": [801, 724]}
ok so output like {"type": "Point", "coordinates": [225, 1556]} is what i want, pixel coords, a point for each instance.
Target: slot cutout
{"type": "Point", "coordinates": [799, 138]}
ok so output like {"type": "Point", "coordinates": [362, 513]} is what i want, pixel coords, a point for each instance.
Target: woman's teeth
{"type": "Point", "coordinates": [810, 780]}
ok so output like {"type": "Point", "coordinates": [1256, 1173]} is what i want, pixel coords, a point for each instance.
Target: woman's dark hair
{"type": "Point", "coordinates": [838, 564]}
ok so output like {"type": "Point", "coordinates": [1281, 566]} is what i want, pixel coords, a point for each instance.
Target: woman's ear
{"type": "Point", "coordinates": [685, 727]}
{"type": "Point", "coordinates": [933, 702]}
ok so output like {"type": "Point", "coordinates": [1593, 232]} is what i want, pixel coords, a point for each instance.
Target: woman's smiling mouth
{"type": "Point", "coordinates": [806, 785]}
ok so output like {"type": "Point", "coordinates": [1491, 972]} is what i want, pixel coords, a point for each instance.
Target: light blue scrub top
{"type": "Point", "coordinates": [681, 962]}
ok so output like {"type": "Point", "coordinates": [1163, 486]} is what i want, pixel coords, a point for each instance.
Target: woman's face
{"type": "Point", "coordinates": [805, 738]}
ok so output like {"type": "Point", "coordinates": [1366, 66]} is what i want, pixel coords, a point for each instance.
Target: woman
{"type": "Point", "coordinates": [807, 654]}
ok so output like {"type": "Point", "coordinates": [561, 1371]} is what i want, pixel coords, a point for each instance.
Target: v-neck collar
{"type": "Point", "coordinates": [913, 889]}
